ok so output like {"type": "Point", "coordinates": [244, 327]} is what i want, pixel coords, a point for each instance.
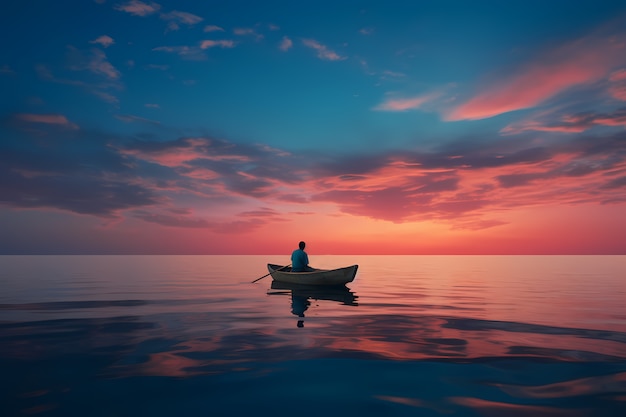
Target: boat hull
{"type": "Point", "coordinates": [327, 277]}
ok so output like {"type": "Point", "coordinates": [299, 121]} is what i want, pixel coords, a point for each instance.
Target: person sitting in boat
{"type": "Point", "coordinates": [300, 260]}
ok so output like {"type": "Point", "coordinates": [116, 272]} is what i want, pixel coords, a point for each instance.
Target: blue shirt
{"type": "Point", "coordinates": [299, 261]}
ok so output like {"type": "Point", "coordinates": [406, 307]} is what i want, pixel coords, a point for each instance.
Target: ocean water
{"type": "Point", "coordinates": [411, 336]}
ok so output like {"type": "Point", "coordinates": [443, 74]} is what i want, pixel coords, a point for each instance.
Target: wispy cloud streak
{"type": "Point", "coordinates": [583, 61]}
{"type": "Point", "coordinates": [323, 52]}
{"type": "Point", "coordinates": [175, 18]}
{"type": "Point", "coordinates": [50, 119]}
{"type": "Point", "coordinates": [403, 104]}
{"type": "Point", "coordinates": [285, 44]}
{"type": "Point", "coordinates": [617, 87]}
{"type": "Point", "coordinates": [248, 32]}
{"type": "Point", "coordinates": [569, 123]}
{"type": "Point", "coordinates": [95, 61]}
{"type": "Point", "coordinates": [222, 43]}
{"type": "Point", "coordinates": [129, 118]}
{"type": "Point", "coordinates": [191, 53]}
{"type": "Point", "coordinates": [213, 28]}
{"type": "Point", "coordinates": [103, 40]}
{"type": "Point", "coordinates": [138, 8]}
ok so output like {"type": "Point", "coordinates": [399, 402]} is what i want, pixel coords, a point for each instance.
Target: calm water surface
{"type": "Point", "coordinates": [411, 336]}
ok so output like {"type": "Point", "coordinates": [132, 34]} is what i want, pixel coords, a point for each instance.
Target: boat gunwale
{"type": "Point", "coordinates": [307, 272]}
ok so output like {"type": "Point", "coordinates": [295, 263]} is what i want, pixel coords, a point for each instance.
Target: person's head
{"type": "Point", "coordinates": [301, 245]}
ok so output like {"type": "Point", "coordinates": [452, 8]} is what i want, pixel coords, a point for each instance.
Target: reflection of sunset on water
{"type": "Point", "coordinates": [584, 386]}
{"type": "Point", "coordinates": [496, 409]}
{"type": "Point", "coordinates": [413, 332]}
{"type": "Point", "coordinates": [529, 289]}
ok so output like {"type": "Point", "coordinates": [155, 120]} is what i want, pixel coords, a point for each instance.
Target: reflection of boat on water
{"type": "Point", "coordinates": [301, 294]}
{"type": "Point", "coordinates": [340, 276]}
{"type": "Point", "coordinates": [341, 294]}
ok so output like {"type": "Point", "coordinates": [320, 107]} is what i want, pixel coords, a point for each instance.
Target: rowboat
{"type": "Point", "coordinates": [339, 276]}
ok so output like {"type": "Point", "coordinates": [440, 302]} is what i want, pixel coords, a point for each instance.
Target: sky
{"type": "Point", "coordinates": [361, 127]}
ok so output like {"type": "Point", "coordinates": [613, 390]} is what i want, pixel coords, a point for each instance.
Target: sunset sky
{"type": "Point", "coordinates": [361, 127]}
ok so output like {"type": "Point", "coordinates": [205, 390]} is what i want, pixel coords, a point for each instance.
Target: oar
{"type": "Point", "coordinates": [270, 273]}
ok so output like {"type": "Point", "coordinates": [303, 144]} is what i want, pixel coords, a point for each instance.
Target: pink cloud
{"type": "Point", "coordinates": [182, 17]}
{"type": "Point", "coordinates": [129, 118]}
{"type": "Point", "coordinates": [188, 150]}
{"type": "Point", "coordinates": [247, 32]}
{"type": "Point", "coordinates": [238, 226]}
{"type": "Point", "coordinates": [261, 212]}
{"type": "Point", "coordinates": [184, 219]}
{"type": "Point", "coordinates": [539, 127]}
{"type": "Point", "coordinates": [613, 119]}
{"type": "Point", "coordinates": [191, 53]}
{"type": "Point", "coordinates": [50, 119]}
{"type": "Point", "coordinates": [457, 186]}
{"type": "Point", "coordinates": [100, 65]}
{"type": "Point", "coordinates": [95, 61]}
{"type": "Point", "coordinates": [173, 26]}
{"type": "Point", "coordinates": [175, 18]}
{"type": "Point", "coordinates": [617, 87]}
{"type": "Point", "coordinates": [403, 104]}
{"type": "Point", "coordinates": [322, 50]}
{"type": "Point", "coordinates": [393, 204]}
{"type": "Point", "coordinates": [103, 95]}
{"type": "Point", "coordinates": [172, 220]}
{"type": "Point", "coordinates": [618, 91]}
{"type": "Point", "coordinates": [474, 191]}
{"type": "Point", "coordinates": [95, 89]}
{"type": "Point", "coordinates": [568, 123]}
{"type": "Point", "coordinates": [285, 44]}
{"type": "Point", "coordinates": [619, 75]}
{"type": "Point", "coordinates": [224, 43]}
{"type": "Point", "coordinates": [104, 40]}
{"type": "Point", "coordinates": [213, 28]}
{"type": "Point", "coordinates": [201, 174]}
{"type": "Point", "coordinates": [580, 62]}
{"type": "Point", "coordinates": [139, 8]}
{"type": "Point", "coordinates": [244, 31]}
